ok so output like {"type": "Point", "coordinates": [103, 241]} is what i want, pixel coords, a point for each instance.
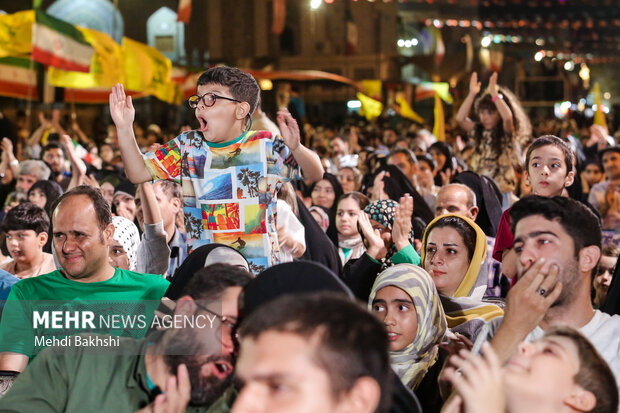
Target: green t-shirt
{"type": "Point", "coordinates": [59, 380]}
{"type": "Point", "coordinates": [62, 381]}
{"type": "Point", "coordinates": [52, 306]}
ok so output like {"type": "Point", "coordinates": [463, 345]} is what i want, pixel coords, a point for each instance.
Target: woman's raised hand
{"type": "Point", "coordinates": [375, 246]}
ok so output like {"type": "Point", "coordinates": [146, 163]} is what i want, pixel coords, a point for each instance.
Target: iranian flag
{"type": "Point", "coordinates": [18, 78]}
{"type": "Point", "coordinates": [352, 36]}
{"type": "Point", "coordinates": [60, 44]}
{"type": "Point", "coordinates": [184, 11]}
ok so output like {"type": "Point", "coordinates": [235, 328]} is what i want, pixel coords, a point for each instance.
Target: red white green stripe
{"type": "Point", "coordinates": [184, 11]}
{"type": "Point", "coordinates": [59, 44]}
{"type": "Point", "coordinates": [17, 78]}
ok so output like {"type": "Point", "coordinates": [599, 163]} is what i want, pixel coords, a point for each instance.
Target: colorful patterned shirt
{"type": "Point", "coordinates": [229, 189]}
{"type": "Point", "coordinates": [497, 166]}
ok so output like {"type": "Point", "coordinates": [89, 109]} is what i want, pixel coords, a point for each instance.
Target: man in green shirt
{"type": "Point", "coordinates": [190, 365]}
{"type": "Point", "coordinates": [82, 233]}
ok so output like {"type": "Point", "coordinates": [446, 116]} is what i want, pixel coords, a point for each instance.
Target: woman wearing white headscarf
{"type": "Point", "coordinates": [124, 250]}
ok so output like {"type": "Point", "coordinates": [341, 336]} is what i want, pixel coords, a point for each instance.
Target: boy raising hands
{"type": "Point", "coordinates": [229, 175]}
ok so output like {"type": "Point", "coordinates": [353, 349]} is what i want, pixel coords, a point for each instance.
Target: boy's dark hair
{"type": "Point", "coordinates": [210, 282]}
{"type": "Point", "coordinates": [552, 140]}
{"type": "Point", "coordinates": [575, 218]}
{"type": "Point", "coordinates": [26, 216]}
{"type": "Point", "coordinates": [102, 208]}
{"type": "Point", "coordinates": [351, 342]}
{"type": "Point", "coordinates": [171, 189]}
{"type": "Point", "coordinates": [242, 85]}
{"type": "Point", "coordinates": [594, 374]}
{"type": "Point", "coordinates": [52, 144]}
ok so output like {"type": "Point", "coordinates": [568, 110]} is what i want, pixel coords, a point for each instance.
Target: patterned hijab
{"type": "Point", "coordinates": [465, 309]}
{"type": "Point", "coordinates": [126, 234]}
{"type": "Point", "coordinates": [384, 212]}
{"type": "Point", "coordinates": [412, 362]}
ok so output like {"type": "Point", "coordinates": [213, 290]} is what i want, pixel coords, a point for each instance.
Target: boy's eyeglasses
{"type": "Point", "coordinates": [208, 99]}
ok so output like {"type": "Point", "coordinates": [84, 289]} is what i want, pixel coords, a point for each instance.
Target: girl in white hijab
{"type": "Point", "coordinates": [124, 250]}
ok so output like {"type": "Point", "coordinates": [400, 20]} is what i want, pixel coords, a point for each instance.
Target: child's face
{"type": "Point", "coordinates": [25, 245]}
{"type": "Point", "coordinates": [395, 308]}
{"type": "Point", "coordinates": [604, 274]}
{"type": "Point", "coordinates": [488, 118]}
{"type": "Point", "coordinates": [37, 197]}
{"type": "Point", "coordinates": [542, 370]}
{"type": "Point", "coordinates": [118, 257]}
{"type": "Point", "coordinates": [217, 122]}
{"type": "Point", "coordinates": [593, 174]}
{"type": "Point", "coordinates": [546, 171]}
{"type": "Point", "coordinates": [346, 217]}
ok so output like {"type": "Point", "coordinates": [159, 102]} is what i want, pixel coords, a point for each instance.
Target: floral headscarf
{"type": "Point", "coordinates": [384, 212]}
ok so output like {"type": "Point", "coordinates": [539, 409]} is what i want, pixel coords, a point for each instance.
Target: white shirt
{"type": "Point", "coordinates": [287, 219]}
{"type": "Point", "coordinates": [603, 331]}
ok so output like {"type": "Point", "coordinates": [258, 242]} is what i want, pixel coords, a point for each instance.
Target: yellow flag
{"type": "Point", "coordinates": [439, 130]}
{"type": "Point", "coordinates": [443, 90]}
{"type": "Point", "coordinates": [106, 69]}
{"type": "Point", "coordinates": [406, 111]}
{"type": "Point", "coordinates": [147, 70]}
{"type": "Point", "coordinates": [371, 108]}
{"type": "Point", "coordinates": [599, 115]}
{"type": "Point", "coordinates": [372, 88]}
{"type": "Point", "coordinates": [16, 33]}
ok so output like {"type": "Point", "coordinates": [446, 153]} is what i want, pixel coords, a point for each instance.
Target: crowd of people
{"type": "Point", "coordinates": [349, 269]}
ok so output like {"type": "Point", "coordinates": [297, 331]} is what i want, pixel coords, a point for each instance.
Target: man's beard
{"type": "Point", "coordinates": [570, 277]}
{"type": "Point", "coordinates": [185, 348]}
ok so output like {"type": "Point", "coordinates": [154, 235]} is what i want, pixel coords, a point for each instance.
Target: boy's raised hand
{"type": "Point", "coordinates": [289, 129]}
{"type": "Point", "coordinates": [121, 108]}
{"type": "Point", "coordinates": [478, 381]}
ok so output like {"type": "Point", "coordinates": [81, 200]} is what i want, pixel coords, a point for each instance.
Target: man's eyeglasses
{"type": "Point", "coordinates": [208, 99]}
{"type": "Point", "coordinates": [231, 323]}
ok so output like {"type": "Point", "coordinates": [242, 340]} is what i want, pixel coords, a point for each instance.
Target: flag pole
{"type": "Point", "coordinates": [36, 4]}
